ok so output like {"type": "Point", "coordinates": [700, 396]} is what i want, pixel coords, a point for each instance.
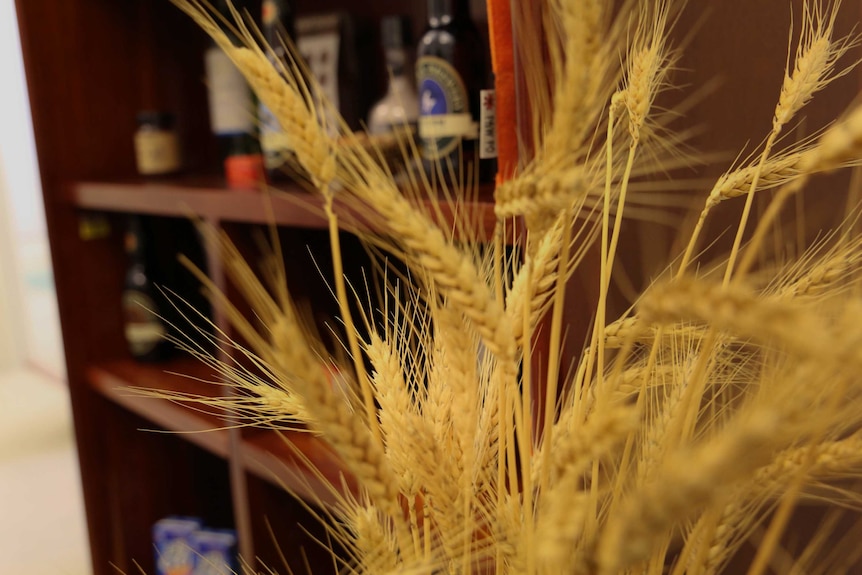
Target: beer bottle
{"type": "Point", "coordinates": [144, 326]}
{"type": "Point", "coordinates": [451, 70]}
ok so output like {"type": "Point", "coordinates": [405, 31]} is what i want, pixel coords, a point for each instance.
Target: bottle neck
{"type": "Point", "coordinates": [276, 21]}
{"type": "Point", "coordinates": [399, 86]}
{"type": "Point", "coordinates": [396, 62]}
{"type": "Point", "coordinates": [134, 239]}
{"type": "Point", "coordinates": [445, 12]}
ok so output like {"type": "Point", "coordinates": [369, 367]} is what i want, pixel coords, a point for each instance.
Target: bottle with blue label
{"type": "Point", "coordinates": [172, 538]}
{"type": "Point", "coordinates": [451, 73]}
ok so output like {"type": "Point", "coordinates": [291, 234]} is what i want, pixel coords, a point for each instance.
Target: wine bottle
{"type": "Point", "coordinates": [144, 326]}
{"type": "Point", "coordinates": [277, 24]}
{"type": "Point", "coordinates": [232, 117]}
{"type": "Point", "coordinates": [451, 70]}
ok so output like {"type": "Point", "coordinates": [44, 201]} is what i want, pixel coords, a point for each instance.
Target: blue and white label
{"type": "Point", "coordinates": [444, 108]}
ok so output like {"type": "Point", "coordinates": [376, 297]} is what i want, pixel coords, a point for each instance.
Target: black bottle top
{"type": "Point", "coordinates": [445, 12]}
{"type": "Point", "coordinates": [277, 21]}
{"type": "Point", "coordinates": [135, 240]}
{"type": "Point", "coordinates": [395, 32]}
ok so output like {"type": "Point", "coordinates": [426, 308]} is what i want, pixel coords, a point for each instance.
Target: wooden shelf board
{"type": "Point", "coordinates": [291, 205]}
{"type": "Point", "coordinates": [117, 379]}
{"type": "Point", "coordinates": [285, 458]}
{"type": "Point", "coordinates": [288, 459]}
{"type": "Point", "coordinates": [203, 197]}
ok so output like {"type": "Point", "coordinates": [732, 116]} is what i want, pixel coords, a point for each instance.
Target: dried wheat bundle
{"type": "Point", "coordinates": [693, 424]}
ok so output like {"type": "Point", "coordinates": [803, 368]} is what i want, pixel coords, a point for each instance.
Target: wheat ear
{"type": "Point", "coordinates": [831, 459]}
{"type": "Point", "coordinates": [277, 87]}
{"type": "Point", "coordinates": [560, 522]}
{"type": "Point", "coordinates": [582, 74]}
{"type": "Point", "coordinates": [739, 311]}
{"type": "Point", "coordinates": [685, 483]}
{"type": "Point", "coordinates": [827, 274]}
{"type": "Point", "coordinates": [841, 143]}
{"type": "Point", "coordinates": [533, 193]}
{"type": "Point", "coordinates": [816, 57]}
{"type": "Point", "coordinates": [397, 410]}
{"type": "Point", "coordinates": [374, 543]}
{"type": "Point", "coordinates": [775, 172]}
{"type": "Point", "coordinates": [575, 448]}
{"type": "Point", "coordinates": [814, 69]}
{"type": "Point", "coordinates": [648, 63]}
{"type": "Point", "coordinates": [454, 274]}
{"type": "Point", "coordinates": [313, 147]}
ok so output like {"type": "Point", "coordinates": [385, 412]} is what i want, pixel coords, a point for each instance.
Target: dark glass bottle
{"type": "Point", "coordinates": [144, 327]}
{"type": "Point", "coordinates": [451, 70]}
{"type": "Point", "coordinates": [277, 24]}
{"type": "Point", "coordinates": [231, 107]}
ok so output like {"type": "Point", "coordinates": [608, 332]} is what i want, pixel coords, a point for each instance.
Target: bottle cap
{"type": "Point", "coordinates": [155, 118]}
{"type": "Point", "coordinates": [245, 172]}
{"type": "Point", "coordinates": [395, 31]}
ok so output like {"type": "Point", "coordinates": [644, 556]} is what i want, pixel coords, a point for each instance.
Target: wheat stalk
{"type": "Point", "coordinates": [683, 484]}
{"type": "Point", "coordinates": [675, 414]}
{"type": "Point", "coordinates": [831, 459]}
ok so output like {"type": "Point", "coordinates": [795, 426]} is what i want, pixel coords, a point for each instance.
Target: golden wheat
{"type": "Point", "coordinates": [692, 415]}
{"type": "Point", "coordinates": [683, 484]}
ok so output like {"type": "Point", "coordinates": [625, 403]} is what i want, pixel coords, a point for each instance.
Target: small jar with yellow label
{"type": "Point", "coordinates": [157, 148]}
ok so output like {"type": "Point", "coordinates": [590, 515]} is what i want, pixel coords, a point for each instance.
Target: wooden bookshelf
{"type": "Point", "coordinates": [288, 205]}
{"type": "Point", "coordinates": [91, 65]}
{"type": "Point", "coordinates": [293, 459]}
{"type": "Point", "coordinates": [121, 382]}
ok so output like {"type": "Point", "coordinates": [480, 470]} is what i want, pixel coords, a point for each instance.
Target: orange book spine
{"type": "Point", "coordinates": [503, 65]}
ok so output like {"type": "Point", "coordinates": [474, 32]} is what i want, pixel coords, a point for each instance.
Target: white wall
{"type": "Point", "coordinates": [16, 132]}
{"type": "Point", "coordinates": [22, 220]}
{"type": "Point", "coordinates": [11, 325]}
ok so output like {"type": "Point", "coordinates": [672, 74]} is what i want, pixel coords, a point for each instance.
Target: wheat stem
{"type": "Point", "coordinates": [347, 318]}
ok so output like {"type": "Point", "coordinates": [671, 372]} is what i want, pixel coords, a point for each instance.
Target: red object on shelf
{"type": "Point", "coordinates": [244, 172]}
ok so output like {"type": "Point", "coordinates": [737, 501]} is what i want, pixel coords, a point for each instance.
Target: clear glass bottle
{"type": "Point", "coordinates": [399, 107]}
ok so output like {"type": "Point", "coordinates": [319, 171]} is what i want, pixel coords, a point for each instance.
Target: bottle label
{"type": "Point", "coordinates": [321, 50]}
{"type": "Point", "coordinates": [444, 108]}
{"type": "Point", "coordinates": [488, 125]}
{"type": "Point", "coordinates": [157, 152]}
{"type": "Point", "coordinates": [144, 330]}
{"type": "Point", "coordinates": [176, 558]}
{"type": "Point", "coordinates": [274, 142]}
{"type": "Point", "coordinates": [230, 98]}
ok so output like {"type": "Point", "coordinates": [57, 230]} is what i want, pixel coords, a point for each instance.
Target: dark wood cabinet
{"type": "Point", "coordinates": [91, 66]}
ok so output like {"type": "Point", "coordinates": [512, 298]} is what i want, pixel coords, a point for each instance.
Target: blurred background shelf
{"type": "Point", "coordinates": [285, 458]}
{"type": "Point", "coordinates": [117, 381]}
{"type": "Point", "coordinates": [297, 461]}
{"type": "Point", "coordinates": [289, 205]}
